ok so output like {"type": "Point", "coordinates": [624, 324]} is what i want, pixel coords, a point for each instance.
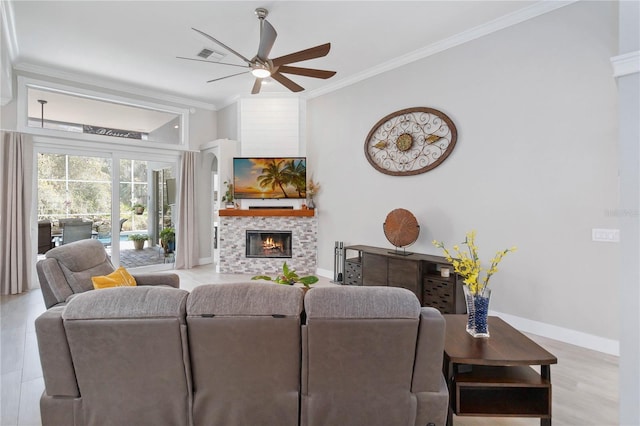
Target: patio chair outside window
{"type": "Point", "coordinates": [66, 220]}
{"type": "Point", "coordinates": [45, 241]}
{"type": "Point", "coordinates": [74, 231]}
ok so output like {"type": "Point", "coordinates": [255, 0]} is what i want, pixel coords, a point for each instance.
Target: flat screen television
{"type": "Point", "coordinates": [261, 178]}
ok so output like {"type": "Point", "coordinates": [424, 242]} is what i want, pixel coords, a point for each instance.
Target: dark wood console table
{"type": "Point", "coordinates": [493, 376]}
{"type": "Point", "coordinates": [420, 273]}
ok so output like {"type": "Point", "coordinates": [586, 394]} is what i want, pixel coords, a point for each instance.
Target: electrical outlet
{"type": "Point", "coordinates": [606, 235]}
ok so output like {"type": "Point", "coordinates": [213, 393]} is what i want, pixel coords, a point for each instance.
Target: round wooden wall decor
{"type": "Point", "coordinates": [410, 141]}
{"type": "Point", "coordinates": [401, 228]}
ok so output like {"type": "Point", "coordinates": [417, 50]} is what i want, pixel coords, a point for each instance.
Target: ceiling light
{"type": "Point", "coordinates": [260, 71]}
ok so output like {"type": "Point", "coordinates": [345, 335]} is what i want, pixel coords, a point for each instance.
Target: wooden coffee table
{"type": "Point", "coordinates": [493, 376]}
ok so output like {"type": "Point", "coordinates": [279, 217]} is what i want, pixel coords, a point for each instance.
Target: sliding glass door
{"type": "Point", "coordinates": [126, 214]}
{"type": "Point", "coordinates": [144, 212]}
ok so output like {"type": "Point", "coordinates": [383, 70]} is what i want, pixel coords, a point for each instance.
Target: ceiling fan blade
{"type": "Point", "coordinates": [307, 72]}
{"type": "Point", "coordinates": [222, 78]}
{"type": "Point", "coordinates": [256, 86]}
{"type": "Point", "coordinates": [303, 55]}
{"type": "Point", "coordinates": [268, 36]}
{"type": "Point", "coordinates": [286, 82]}
{"type": "Point", "coordinates": [222, 44]}
{"type": "Point", "coordinates": [212, 62]}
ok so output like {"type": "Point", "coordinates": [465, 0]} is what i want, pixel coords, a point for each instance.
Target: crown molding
{"type": "Point", "coordinates": [471, 34]}
{"type": "Point", "coordinates": [626, 64]}
{"type": "Point", "coordinates": [9, 29]}
{"type": "Point", "coordinates": [111, 85]}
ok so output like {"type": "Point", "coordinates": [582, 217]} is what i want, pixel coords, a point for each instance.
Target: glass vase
{"type": "Point", "coordinates": [468, 297]}
{"type": "Point", "coordinates": [481, 312]}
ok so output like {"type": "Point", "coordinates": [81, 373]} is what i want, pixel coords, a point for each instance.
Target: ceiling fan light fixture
{"type": "Point", "coordinates": [260, 72]}
{"type": "Point", "coordinates": [262, 67]}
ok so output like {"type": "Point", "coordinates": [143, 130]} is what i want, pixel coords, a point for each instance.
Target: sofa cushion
{"type": "Point", "coordinates": [118, 278]}
{"type": "Point", "coordinates": [361, 302]}
{"type": "Point", "coordinates": [127, 302]}
{"type": "Point", "coordinates": [81, 260]}
{"type": "Point", "coordinates": [252, 298]}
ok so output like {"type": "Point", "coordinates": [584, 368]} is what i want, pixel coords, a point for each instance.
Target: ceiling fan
{"type": "Point", "coordinates": [261, 66]}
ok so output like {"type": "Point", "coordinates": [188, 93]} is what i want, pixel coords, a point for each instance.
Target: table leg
{"type": "Point", "coordinates": [449, 376]}
{"type": "Point", "coordinates": [545, 372]}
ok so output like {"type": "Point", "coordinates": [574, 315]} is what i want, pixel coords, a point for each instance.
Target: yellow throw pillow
{"type": "Point", "coordinates": [118, 278]}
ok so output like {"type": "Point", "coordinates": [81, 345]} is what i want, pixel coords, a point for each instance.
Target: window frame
{"type": "Point", "coordinates": [68, 146]}
{"type": "Point", "coordinates": [24, 83]}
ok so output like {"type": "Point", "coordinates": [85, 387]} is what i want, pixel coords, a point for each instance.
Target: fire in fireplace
{"type": "Point", "coordinates": [268, 244]}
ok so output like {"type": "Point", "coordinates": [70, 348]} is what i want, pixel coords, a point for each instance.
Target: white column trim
{"type": "Point", "coordinates": [626, 64]}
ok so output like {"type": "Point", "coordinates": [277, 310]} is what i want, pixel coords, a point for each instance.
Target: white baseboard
{"type": "Point", "coordinates": [566, 335]}
{"type": "Point", "coordinates": [205, 260]}
{"type": "Point", "coordinates": [325, 273]}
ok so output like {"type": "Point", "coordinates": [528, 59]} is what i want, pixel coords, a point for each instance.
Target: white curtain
{"type": "Point", "coordinates": [15, 212]}
{"type": "Point", "coordinates": [187, 244]}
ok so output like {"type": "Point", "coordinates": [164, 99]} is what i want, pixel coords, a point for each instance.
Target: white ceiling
{"type": "Point", "coordinates": [135, 43]}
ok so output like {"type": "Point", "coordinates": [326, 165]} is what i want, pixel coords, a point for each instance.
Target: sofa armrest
{"type": "Point", "coordinates": [171, 280]}
{"type": "Point", "coordinates": [54, 285]}
{"type": "Point", "coordinates": [55, 357]}
{"type": "Point", "coordinates": [427, 371]}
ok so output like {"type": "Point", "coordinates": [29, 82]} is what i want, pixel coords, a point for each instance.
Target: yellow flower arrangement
{"type": "Point", "coordinates": [467, 263]}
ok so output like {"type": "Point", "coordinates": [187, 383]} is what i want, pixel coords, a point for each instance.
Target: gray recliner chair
{"type": "Point", "coordinates": [67, 270]}
{"type": "Point", "coordinates": [371, 356]}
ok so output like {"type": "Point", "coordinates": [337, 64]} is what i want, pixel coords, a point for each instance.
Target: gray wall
{"type": "Point", "coordinates": [535, 165]}
{"type": "Point", "coordinates": [228, 122]}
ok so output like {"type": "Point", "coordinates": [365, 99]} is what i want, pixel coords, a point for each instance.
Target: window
{"type": "Point", "coordinates": [72, 186]}
{"type": "Point", "coordinates": [47, 108]}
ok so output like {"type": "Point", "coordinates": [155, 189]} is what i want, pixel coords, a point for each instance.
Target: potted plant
{"type": "Point", "coordinates": [289, 277]}
{"type": "Point", "coordinates": [138, 240]}
{"type": "Point", "coordinates": [138, 208]}
{"type": "Point", "coordinates": [168, 239]}
{"type": "Point", "coordinates": [227, 198]}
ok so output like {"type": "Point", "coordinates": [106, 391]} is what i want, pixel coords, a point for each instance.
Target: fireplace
{"type": "Point", "coordinates": [268, 244]}
{"type": "Point", "coordinates": [234, 224]}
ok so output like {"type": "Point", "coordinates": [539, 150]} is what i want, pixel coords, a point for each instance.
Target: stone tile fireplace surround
{"type": "Point", "coordinates": [235, 222]}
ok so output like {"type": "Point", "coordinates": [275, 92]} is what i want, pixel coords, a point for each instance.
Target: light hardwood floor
{"type": "Point", "coordinates": [585, 382]}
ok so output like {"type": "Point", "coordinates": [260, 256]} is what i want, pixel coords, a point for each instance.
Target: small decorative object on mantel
{"type": "Point", "coordinates": [477, 293]}
{"type": "Point", "coordinates": [401, 229]}
{"type": "Point", "coordinates": [227, 198]}
{"type": "Point", "coordinates": [410, 141]}
{"type": "Point", "coordinates": [312, 190]}
{"type": "Point", "coordinates": [289, 277]}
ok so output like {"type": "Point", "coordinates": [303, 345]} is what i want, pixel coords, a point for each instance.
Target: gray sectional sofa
{"type": "Point", "coordinates": [251, 353]}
